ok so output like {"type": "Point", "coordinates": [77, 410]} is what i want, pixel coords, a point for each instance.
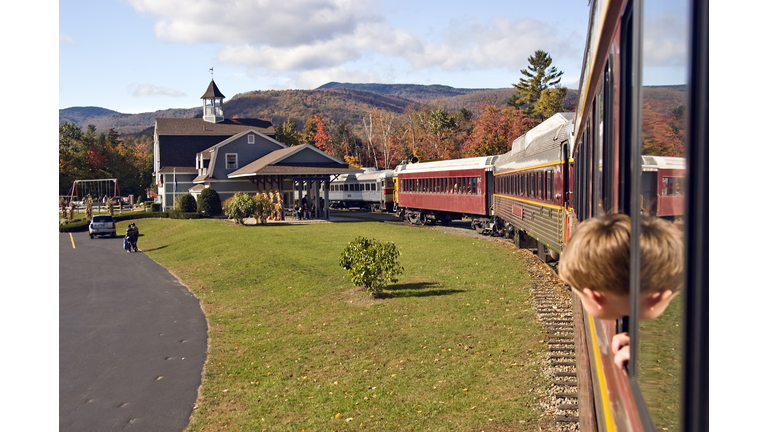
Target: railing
{"type": "Point", "coordinates": [214, 111]}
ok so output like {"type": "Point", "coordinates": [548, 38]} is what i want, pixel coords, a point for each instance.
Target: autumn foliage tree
{"type": "Point", "coordinates": [88, 155]}
{"type": "Point", "coordinates": [660, 136]}
{"type": "Point", "coordinates": [322, 138]}
{"type": "Point", "coordinates": [495, 129]}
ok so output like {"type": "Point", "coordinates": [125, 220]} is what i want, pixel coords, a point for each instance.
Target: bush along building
{"type": "Point", "coordinates": [238, 155]}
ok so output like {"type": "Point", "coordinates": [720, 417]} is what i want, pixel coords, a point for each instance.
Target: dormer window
{"type": "Point", "coordinates": [251, 139]}
{"type": "Point", "coordinates": [231, 160]}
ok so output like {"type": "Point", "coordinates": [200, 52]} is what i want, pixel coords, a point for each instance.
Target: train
{"type": "Point", "coordinates": [574, 166]}
{"type": "Point", "coordinates": [372, 189]}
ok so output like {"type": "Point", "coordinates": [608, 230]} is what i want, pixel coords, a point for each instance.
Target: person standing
{"type": "Point", "coordinates": [133, 237]}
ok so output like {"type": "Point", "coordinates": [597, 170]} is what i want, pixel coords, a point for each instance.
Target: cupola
{"type": "Point", "coordinates": [212, 100]}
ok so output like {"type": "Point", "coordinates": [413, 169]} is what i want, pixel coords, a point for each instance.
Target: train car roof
{"type": "Point", "coordinates": [485, 162]}
{"type": "Point", "coordinates": [373, 175]}
{"type": "Point", "coordinates": [547, 136]}
{"type": "Point", "coordinates": [654, 163]}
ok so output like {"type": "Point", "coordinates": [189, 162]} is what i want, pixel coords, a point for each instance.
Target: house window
{"type": "Point", "coordinates": [251, 139]}
{"type": "Point", "coordinates": [231, 160]}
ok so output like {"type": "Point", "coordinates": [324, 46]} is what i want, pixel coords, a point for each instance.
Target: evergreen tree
{"type": "Point", "coordinates": [539, 76]}
{"type": "Point", "coordinates": [286, 133]}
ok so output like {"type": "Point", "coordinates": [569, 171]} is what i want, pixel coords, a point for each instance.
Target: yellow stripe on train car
{"type": "Point", "coordinates": [610, 423]}
{"type": "Point", "coordinates": [530, 202]}
{"type": "Point", "coordinates": [531, 167]}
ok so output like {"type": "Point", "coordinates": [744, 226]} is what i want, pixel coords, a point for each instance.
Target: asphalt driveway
{"type": "Point", "coordinates": [132, 340]}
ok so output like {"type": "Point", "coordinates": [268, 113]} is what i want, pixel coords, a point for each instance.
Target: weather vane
{"type": "Point", "coordinates": [211, 69]}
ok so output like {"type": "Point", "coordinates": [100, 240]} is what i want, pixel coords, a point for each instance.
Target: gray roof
{"type": "Point", "coordinates": [212, 92]}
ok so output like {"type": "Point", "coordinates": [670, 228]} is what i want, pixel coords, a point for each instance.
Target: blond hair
{"type": "Point", "coordinates": [597, 255]}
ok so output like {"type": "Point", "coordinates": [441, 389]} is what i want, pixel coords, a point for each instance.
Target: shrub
{"type": "Point", "coordinates": [186, 203]}
{"type": "Point", "coordinates": [155, 207]}
{"type": "Point", "coordinates": [239, 207]}
{"type": "Point", "coordinates": [209, 203]}
{"type": "Point", "coordinates": [177, 214]}
{"type": "Point", "coordinates": [371, 264]}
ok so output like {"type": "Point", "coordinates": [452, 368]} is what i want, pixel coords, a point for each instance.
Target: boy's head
{"type": "Point", "coordinates": [595, 262]}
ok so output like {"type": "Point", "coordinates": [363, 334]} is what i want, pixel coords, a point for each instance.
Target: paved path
{"type": "Point", "coordinates": [132, 340]}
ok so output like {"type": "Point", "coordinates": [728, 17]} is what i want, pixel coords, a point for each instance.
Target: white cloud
{"type": "Point", "coordinates": [65, 40]}
{"type": "Point", "coordinates": [664, 41]}
{"type": "Point", "coordinates": [302, 57]}
{"type": "Point", "coordinates": [316, 78]}
{"type": "Point", "coordinates": [318, 36]}
{"type": "Point", "coordinates": [153, 90]}
{"type": "Point", "coordinates": [278, 23]}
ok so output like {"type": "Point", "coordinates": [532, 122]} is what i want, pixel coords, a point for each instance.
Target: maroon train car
{"type": "Point", "coordinates": [448, 190]}
{"type": "Point", "coordinates": [663, 186]}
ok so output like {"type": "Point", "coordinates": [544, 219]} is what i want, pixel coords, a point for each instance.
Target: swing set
{"type": "Point", "coordinates": [98, 189]}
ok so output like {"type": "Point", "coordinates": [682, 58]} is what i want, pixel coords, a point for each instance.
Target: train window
{"type": "Point", "coordinates": [549, 186]}
{"type": "Point", "coordinates": [539, 185]}
{"type": "Point", "coordinates": [528, 186]}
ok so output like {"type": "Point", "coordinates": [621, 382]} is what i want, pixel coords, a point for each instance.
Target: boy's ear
{"type": "Point", "coordinates": [596, 296]}
{"type": "Point", "coordinates": [654, 299]}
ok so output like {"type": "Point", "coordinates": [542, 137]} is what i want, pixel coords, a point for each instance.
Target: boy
{"type": "Point", "coordinates": [595, 262]}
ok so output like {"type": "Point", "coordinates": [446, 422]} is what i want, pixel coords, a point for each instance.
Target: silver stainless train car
{"type": "Point", "coordinates": [372, 189]}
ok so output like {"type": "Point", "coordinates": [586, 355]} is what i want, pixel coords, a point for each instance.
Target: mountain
{"type": "Point", "coordinates": [414, 92]}
{"type": "Point", "coordinates": [338, 102]}
{"type": "Point", "coordinates": [124, 124]}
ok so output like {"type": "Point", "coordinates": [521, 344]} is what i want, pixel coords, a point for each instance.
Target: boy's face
{"type": "Point", "coordinates": [610, 306]}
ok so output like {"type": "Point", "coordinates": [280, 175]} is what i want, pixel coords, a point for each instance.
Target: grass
{"type": "Point", "coordinates": [659, 366]}
{"type": "Point", "coordinates": [293, 346]}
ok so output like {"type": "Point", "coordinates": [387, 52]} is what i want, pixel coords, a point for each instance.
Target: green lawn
{"type": "Point", "coordinates": [294, 346]}
{"type": "Point", "coordinates": [659, 366]}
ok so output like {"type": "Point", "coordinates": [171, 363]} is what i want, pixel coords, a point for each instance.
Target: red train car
{"type": "Point", "coordinates": [448, 190]}
{"type": "Point", "coordinates": [663, 186]}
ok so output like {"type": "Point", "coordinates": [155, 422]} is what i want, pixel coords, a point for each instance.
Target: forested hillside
{"type": "Point", "coordinates": [378, 124]}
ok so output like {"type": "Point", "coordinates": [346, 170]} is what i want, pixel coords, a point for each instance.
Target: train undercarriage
{"type": "Point", "coordinates": [490, 226]}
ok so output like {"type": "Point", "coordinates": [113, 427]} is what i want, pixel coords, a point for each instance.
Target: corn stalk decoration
{"type": "Point", "coordinates": [71, 214]}
{"type": "Point", "coordinates": [110, 207]}
{"type": "Point", "coordinates": [264, 207]}
{"type": "Point", "coordinates": [88, 207]}
{"type": "Point", "coordinates": [63, 205]}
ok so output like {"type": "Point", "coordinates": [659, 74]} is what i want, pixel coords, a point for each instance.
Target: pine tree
{"type": "Point", "coordinates": [539, 76]}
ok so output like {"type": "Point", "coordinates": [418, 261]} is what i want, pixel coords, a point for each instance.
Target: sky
{"type": "Point", "coordinates": [136, 56]}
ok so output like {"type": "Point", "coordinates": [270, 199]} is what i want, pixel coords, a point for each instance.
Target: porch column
{"type": "Point", "coordinates": [316, 193]}
{"type": "Point", "coordinates": [326, 212]}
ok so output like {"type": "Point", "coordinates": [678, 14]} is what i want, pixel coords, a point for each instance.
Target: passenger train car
{"type": "Point", "coordinates": [443, 191]}
{"type": "Point", "coordinates": [372, 189]}
{"type": "Point", "coordinates": [532, 186]}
